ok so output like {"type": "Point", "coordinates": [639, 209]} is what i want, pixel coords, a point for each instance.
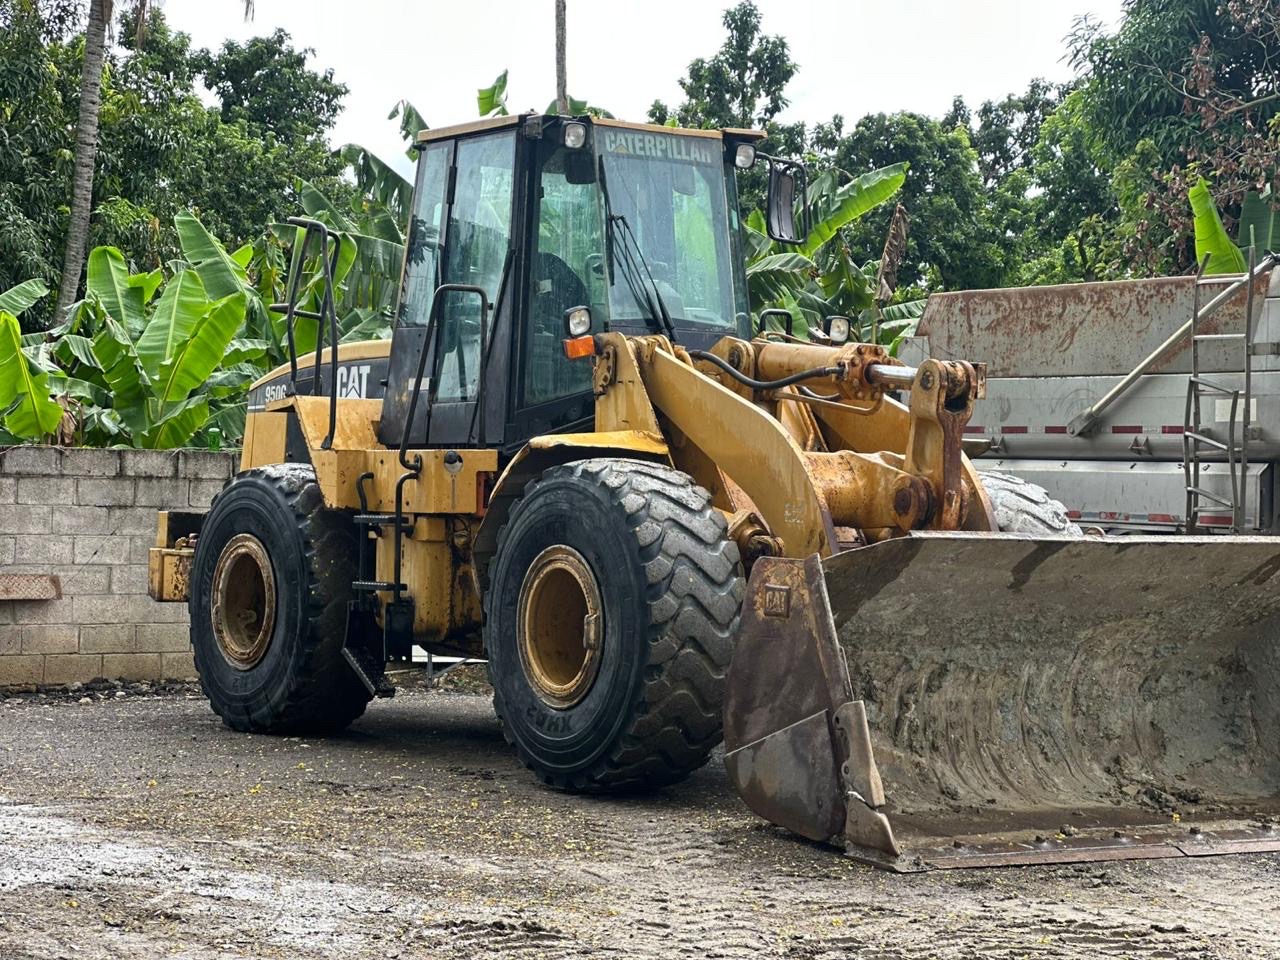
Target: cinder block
{"type": "Point", "coordinates": [8, 488]}
{"type": "Point", "coordinates": [50, 549]}
{"type": "Point", "coordinates": [80, 520]}
{"type": "Point", "coordinates": [90, 462]}
{"type": "Point", "coordinates": [102, 549]}
{"type": "Point", "coordinates": [129, 578]}
{"type": "Point", "coordinates": [160, 492]}
{"type": "Point", "coordinates": [59, 490]}
{"type": "Point", "coordinates": [6, 613]}
{"type": "Point", "coordinates": [50, 638]}
{"type": "Point", "coordinates": [110, 638]}
{"type": "Point", "coordinates": [125, 608]}
{"type": "Point", "coordinates": [81, 579]}
{"type": "Point", "coordinates": [206, 464]}
{"type": "Point", "coordinates": [10, 640]}
{"type": "Point", "coordinates": [24, 518]}
{"type": "Point", "coordinates": [131, 666]}
{"type": "Point", "coordinates": [178, 666]}
{"type": "Point", "coordinates": [149, 463]}
{"type": "Point", "coordinates": [6, 551]}
{"type": "Point", "coordinates": [105, 492]}
{"type": "Point", "coordinates": [164, 638]}
{"type": "Point", "coordinates": [140, 551]}
{"type": "Point", "coordinates": [134, 521]}
{"type": "Point", "coordinates": [30, 460]}
{"type": "Point", "coordinates": [71, 668]}
{"type": "Point", "coordinates": [22, 670]}
{"type": "Point", "coordinates": [203, 492]}
{"type": "Point", "coordinates": [44, 611]}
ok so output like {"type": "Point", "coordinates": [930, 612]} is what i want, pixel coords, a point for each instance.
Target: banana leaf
{"type": "Point", "coordinates": [123, 373]}
{"type": "Point", "coordinates": [24, 393]}
{"type": "Point", "coordinates": [201, 353]}
{"type": "Point", "coordinates": [177, 312]}
{"type": "Point", "coordinates": [107, 278]}
{"type": "Point", "coordinates": [220, 275]}
{"type": "Point", "coordinates": [16, 299]}
{"type": "Point", "coordinates": [493, 98]}
{"type": "Point", "coordinates": [1259, 223]}
{"type": "Point", "coordinates": [177, 424]}
{"type": "Point", "coordinates": [1211, 237]}
{"type": "Point", "coordinates": [850, 202]}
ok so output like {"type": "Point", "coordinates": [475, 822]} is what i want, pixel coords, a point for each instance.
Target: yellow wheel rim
{"type": "Point", "coordinates": [560, 626]}
{"type": "Point", "coordinates": [244, 601]}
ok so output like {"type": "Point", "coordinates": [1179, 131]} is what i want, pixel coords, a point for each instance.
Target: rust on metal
{"type": "Point", "coordinates": [1099, 329]}
{"type": "Point", "coordinates": [30, 586]}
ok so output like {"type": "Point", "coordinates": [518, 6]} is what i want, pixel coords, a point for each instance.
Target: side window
{"type": "Point", "coordinates": [477, 237]}
{"type": "Point", "coordinates": [566, 271]}
{"type": "Point", "coordinates": [422, 266]}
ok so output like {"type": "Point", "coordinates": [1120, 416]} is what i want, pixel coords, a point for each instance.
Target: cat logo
{"type": "Point", "coordinates": [353, 381]}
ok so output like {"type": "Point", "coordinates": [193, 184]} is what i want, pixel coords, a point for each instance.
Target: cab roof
{"type": "Point", "coordinates": [497, 123]}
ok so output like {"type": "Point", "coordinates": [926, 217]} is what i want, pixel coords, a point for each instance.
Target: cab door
{"type": "Point", "coordinates": [460, 233]}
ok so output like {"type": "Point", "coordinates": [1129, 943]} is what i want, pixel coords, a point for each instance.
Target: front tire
{"type": "Point", "coordinates": [270, 581]}
{"type": "Point", "coordinates": [609, 622]}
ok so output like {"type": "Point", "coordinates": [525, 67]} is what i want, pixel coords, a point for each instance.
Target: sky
{"type": "Point", "coordinates": [855, 57]}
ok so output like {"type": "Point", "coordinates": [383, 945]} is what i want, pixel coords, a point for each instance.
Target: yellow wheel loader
{"type": "Point", "coordinates": [578, 460]}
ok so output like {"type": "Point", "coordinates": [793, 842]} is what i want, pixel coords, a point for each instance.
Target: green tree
{"type": "Point", "coordinates": [266, 83]}
{"type": "Point", "coordinates": [1191, 87]}
{"type": "Point", "coordinates": [742, 85]}
{"type": "Point", "coordinates": [955, 243]}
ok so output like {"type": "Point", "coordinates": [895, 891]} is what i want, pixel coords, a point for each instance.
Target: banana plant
{"type": "Point", "coordinates": [1259, 227]}
{"type": "Point", "coordinates": [25, 404]}
{"type": "Point", "coordinates": [141, 361]}
{"type": "Point", "coordinates": [819, 277]}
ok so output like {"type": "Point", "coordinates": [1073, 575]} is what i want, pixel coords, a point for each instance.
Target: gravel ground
{"type": "Point", "coordinates": [137, 826]}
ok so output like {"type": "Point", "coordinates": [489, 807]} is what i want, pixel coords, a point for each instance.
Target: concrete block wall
{"type": "Point", "coordinates": [89, 516]}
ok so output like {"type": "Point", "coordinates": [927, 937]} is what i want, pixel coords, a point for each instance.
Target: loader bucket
{"type": "Point", "coordinates": [957, 700]}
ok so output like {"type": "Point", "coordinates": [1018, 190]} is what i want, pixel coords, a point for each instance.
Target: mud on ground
{"type": "Point", "coordinates": [137, 826]}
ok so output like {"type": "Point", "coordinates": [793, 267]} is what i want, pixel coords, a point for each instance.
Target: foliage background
{"type": "Point", "coordinates": [1087, 180]}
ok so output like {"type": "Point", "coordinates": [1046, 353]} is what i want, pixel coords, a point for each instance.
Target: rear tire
{"type": "Point", "coordinates": [274, 567]}
{"type": "Point", "coordinates": [640, 543]}
{"type": "Point", "coordinates": [1022, 507]}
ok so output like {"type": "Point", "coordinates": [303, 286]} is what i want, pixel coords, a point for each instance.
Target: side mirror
{"type": "Point", "coordinates": [786, 181]}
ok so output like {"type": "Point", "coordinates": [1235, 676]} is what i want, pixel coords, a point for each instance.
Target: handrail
{"type": "Point", "coordinates": [428, 342]}
{"type": "Point", "coordinates": [328, 307]}
{"type": "Point", "coordinates": [1084, 422]}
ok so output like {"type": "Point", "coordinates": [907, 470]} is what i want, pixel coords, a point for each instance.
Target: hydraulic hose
{"type": "Point", "coordinates": [764, 384]}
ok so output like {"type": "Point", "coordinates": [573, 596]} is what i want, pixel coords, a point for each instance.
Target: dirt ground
{"type": "Point", "coordinates": [134, 825]}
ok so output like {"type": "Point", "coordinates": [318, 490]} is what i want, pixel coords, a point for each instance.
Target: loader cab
{"type": "Point", "coordinates": [542, 214]}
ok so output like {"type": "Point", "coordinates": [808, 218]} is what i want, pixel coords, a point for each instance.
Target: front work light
{"type": "Point", "coordinates": [577, 321]}
{"type": "Point", "coordinates": [838, 329]}
{"type": "Point", "coordinates": [575, 135]}
{"type": "Point", "coordinates": [744, 157]}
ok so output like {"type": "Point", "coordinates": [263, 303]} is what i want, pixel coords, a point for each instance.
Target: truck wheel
{"type": "Point", "coordinates": [1022, 507]}
{"type": "Point", "coordinates": [270, 581]}
{"type": "Point", "coordinates": [610, 620]}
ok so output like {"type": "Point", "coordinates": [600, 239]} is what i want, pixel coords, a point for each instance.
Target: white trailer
{"type": "Point", "coordinates": [1149, 405]}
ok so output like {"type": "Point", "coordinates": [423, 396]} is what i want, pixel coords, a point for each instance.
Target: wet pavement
{"type": "Point", "coordinates": [137, 826]}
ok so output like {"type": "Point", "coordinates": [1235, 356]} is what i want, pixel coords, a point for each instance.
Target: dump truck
{"type": "Point", "coordinates": [579, 459]}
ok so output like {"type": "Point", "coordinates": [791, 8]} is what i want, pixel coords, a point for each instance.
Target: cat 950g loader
{"type": "Point", "coordinates": [576, 458]}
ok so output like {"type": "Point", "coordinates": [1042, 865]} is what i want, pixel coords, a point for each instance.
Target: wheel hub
{"type": "Point", "coordinates": [243, 610]}
{"type": "Point", "coordinates": [560, 626]}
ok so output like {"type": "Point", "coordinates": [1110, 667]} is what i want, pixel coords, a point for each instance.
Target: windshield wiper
{"type": "Point", "coordinates": [620, 238]}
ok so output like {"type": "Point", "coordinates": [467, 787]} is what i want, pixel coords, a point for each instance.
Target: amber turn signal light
{"type": "Point", "coordinates": [575, 348]}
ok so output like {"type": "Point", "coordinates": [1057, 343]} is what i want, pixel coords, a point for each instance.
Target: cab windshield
{"type": "Point", "coordinates": [667, 201]}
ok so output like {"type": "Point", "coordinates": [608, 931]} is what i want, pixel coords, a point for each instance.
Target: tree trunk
{"type": "Point", "coordinates": [562, 96]}
{"type": "Point", "coordinates": [95, 43]}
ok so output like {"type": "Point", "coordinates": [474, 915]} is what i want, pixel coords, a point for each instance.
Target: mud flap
{"type": "Point", "coordinates": [1024, 699]}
